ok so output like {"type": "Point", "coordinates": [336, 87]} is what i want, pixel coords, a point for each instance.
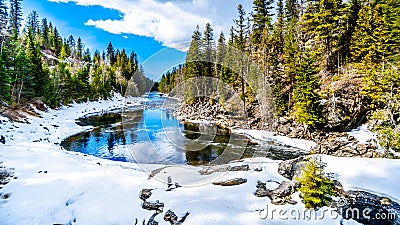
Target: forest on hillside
{"type": "Point", "coordinates": [329, 65]}
{"type": "Point", "coordinates": [37, 63]}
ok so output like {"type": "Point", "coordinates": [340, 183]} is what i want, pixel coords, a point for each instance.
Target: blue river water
{"type": "Point", "coordinates": [150, 134]}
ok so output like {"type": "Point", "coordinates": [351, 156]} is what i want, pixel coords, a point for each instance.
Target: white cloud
{"type": "Point", "coordinates": [169, 22]}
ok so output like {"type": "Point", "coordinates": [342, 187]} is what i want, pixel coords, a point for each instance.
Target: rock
{"type": "Point", "coordinates": [375, 204]}
{"type": "Point", "coordinates": [240, 168]}
{"type": "Point", "coordinates": [169, 180]}
{"type": "Point", "coordinates": [258, 169]}
{"type": "Point", "coordinates": [231, 182]}
{"type": "Point", "coordinates": [291, 168]}
{"type": "Point", "coordinates": [145, 194]}
{"type": "Point", "coordinates": [281, 195]}
{"type": "Point", "coordinates": [213, 169]}
{"type": "Point", "coordinates": [39, 104]}
{"type": "Point", "coordinates": [338, 187]}
{"type": "Point", "coordinates": [152, 219]}
{"type": "Point", "coordinates": [157, 206]}
{"type": "Point", "coordinates": [170, 217]}
{"type": "Point", "coordinates": [2, 139]}
{"type": "Point", "coordinates": [173, 219]}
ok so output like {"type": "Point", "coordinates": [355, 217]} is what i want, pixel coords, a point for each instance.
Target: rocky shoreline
{"type": "Point", "coordinates": [328, 142]}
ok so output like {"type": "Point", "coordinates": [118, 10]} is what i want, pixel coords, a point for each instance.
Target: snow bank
{"type": "Point", "coordinates": [263, 135]}
{"type": "Point", "coordinates": [55, 125]}
{"type": "Point", "coordinates": [363, 135]}
{"type": "Point", "coordinates": [377, 176]}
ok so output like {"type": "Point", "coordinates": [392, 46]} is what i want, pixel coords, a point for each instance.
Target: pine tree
{"type": "Point", "coordinates": [208, 49]}
{"type": "Point", "coordinates": [15, 18]}
{"type": "Point", "coordinates": [324, 20]}
{"type": "Point", "coordinates": [193, 57]}
{"type": "Point", "coordinates": [262, 18]}
{"type": "Point", "coordinates": [23, 81]}
{"type": "Point", "coordinates": [3, 19]}
{"type": "Point", "coordinates": [240, 36]}
{"type": "Point", "coordinates": [291, 51]}
{"type": "Point", "coordinates": [72, 45]}
{"type": "Point", "coordinates": [220, 54]}
{"type": "Point", "coordinates": [87, 56]}
{"type": "Point", "coordinates": [110, 54]}
{"type": "Point", "coordinates": [292, 10]}
{"type": "Point", "coordinates": [41, 80]}
{"type": "Point", "coordinates": [79, 49]}
{"type": "Point", "coordinates": [386, 97]}
{"type": "Point", "coordinates": [5, 79]}
{"type": "Point", "coordinates": [45, 33]}
{"type": "Point", "coordinates": [240, 44]}
{"type": "Point", "coordinates": [194, 64]}
{"type": "Point", "coordinates": [376, 35]}
{"type": "Point", "coordinates": [57, 41]}
{"type": "Point", "coordinates": [306, 107]}
{"type": "Point", "coordinates": [33, 22]}
{"type": "Point", "coordinates": [351, 10]}
{"type": "Point", "coordinates": [316, 187]}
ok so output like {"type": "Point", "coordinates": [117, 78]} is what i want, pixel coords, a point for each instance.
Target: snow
{"type": "Point", "coordinates": [53, 186]}
{"type": "Point", "coordinates": [374, 175]}
{"type": "Point", "coordinates": [263, 135]}
{"type": "Point", "coordinates": [363, 135]}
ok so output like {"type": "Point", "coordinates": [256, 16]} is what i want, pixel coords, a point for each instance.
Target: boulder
{"type": "Point", "coordinates": [157, 206]}
{"type": "Point", "coordinates": [281, 195]}
{"type": "Point", "coordinates": [375, 204]}
{"type": "Point", "coordinates": [231, 182]}
{"type": "Point", "coordinates": [145, 194]}
{"type": "Point", "coordinates": [291, 168]}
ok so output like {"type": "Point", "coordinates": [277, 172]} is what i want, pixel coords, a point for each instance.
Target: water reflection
{"type": "Point", "coordinates": [151, 134]}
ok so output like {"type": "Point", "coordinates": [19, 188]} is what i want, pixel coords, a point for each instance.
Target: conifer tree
{"type": "Point", "coordinates": [240, 30]}
{"type": "Point", "coordinates": [316, 187]}
{"type": "Point", "coordinates": [57, 41]}
{"type": "Point", "coordinates": [79, 48]}
{"type": "Point", "coordinates": [306, 101]}
{"type": "Point", "coordinates": [292, 10]}
{"type": "Point", "coordinates": [220, 55]}
{"type": "Point", "coordinates": [3, 19]}
{"type": "Point", "coordinates": [262, 18]}
{"type": "Point", "coordinates": [208, 49]}
{"type": "Point", "coordinates": [72, 45]}
{"type": "Point", "coordinates": [33, 22]}
{"type": "Point", "coordinates": [240, 44]}
{"type": "Point", "coordinates": [291, 51]}
{"type": "Point", "coordinates": [110, 54]}
{"type": "Point", "coordinates": [23, 81]}
{"type": "Point", "coordinates": [376, 35]}
{"type": "Point", "coordinates": [45, 33]}
{"type": "Point", "coordinates": [41, 79]}
{"type": "Point", "coordinates": [15, 18]}
{"type": "Point", "coordinates": [324, 20]}
{"type": "Point", "coordinates": [5, 79]}
{"type": "Point", "coordinates": [193, 57]}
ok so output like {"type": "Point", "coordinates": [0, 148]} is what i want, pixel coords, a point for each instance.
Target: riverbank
{"type": "Point", "coordinates": [359, 142]}
{"type": "Point", "coordinates": [52, 186]}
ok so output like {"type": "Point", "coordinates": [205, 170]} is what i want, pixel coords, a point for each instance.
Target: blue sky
{"type": "Point", "coordinates": [154, 29]}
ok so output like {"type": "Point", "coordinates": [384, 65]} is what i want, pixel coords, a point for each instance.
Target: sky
{"type": "Point", "coordinates": [159, 31]}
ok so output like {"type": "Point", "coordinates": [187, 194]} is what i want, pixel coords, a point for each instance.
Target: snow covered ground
{"type": "Point", "coordinates": [53, 186]}
{"type": "Point", "coordinates": [304, 145]}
